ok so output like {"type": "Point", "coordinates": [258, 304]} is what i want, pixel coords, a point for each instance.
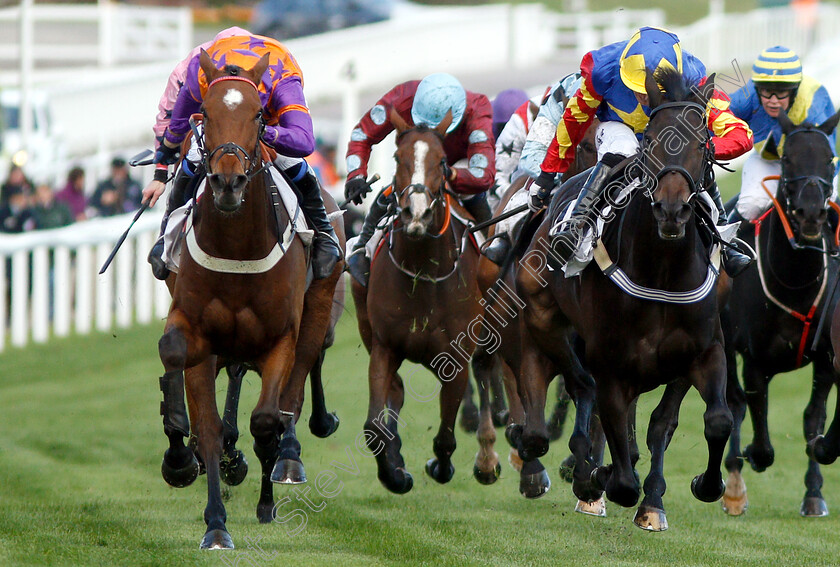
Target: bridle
{"type": "Point", "coordinates": [707, 173]}
{"type": "Point", "coordinates": [251, 162]}
{"type": "Point", "coordinates": [824, 185]}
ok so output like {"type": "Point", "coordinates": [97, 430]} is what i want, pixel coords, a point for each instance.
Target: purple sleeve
{"type": "Point", "coordinates": [187, 104]}
{"type": "Point", "coordinates": [293, 133]}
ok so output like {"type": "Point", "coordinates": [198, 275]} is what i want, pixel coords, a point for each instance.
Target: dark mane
{"type": "Point", "coordinates": [677, 88]}
{"type": "Point", "coordinates": [233, 70]}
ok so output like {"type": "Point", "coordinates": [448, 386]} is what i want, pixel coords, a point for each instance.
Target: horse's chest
{"type": "Point", "coordinates": [246, 328]}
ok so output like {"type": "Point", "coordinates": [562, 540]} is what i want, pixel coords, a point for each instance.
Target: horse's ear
{"type": "Point", "coordinates": [653, 92]}
{"type": "Point", "coordinates": [397, 120]}
{"type": "Point", "coordinates": [444, 124]}
{"type": "Point", "coordinates": [207, 65]}
{"type": "Point", "coordinates": [829, 125]}
{"type": "Point", "coordinates": [709, 88]}
{"type": "Point", "coordinates": [785, 122]}
{"type": "Point", "coordinates": [258, 70]}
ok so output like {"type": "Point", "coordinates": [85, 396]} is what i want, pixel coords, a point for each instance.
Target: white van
{"type": "Point", "coordinates": [46, 153]}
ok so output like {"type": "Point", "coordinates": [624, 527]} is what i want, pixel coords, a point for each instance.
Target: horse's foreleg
{"type": "Point", "coordinates": [734, 500]}
{"type": "Point", "coordinates": [619, 479]}
{"type": "Point", "coordinates": [322, 423]}
{"type": "Point", "coordinates": [487, 468]}
{"type": "Point", "coordinates": [663, 423]}
{"type": "Point", "coordinates": [201, 388]}
{"type": "Point", "coordinates": [440, 467]}
{"type": "Point", "coordinates": [470, 417]}
{"type": "Point", "coordinates": [535, 374]}
{"type": "Point", "coordinates": [265, 419]}
{"type": "Point", "coordinates": [180, 467]}
{"type": "Point", "coordinates": [561, 407]}
{"type": "Point", "coordinates": [709, 377]}
{"type": "Point", "coordinates": [760, 452]}
{"type": "Point", "coordinates": [380, 428]}
{"type": "Point", "coordinates": [813, 505]}
{"type": "Point", "coordinates": [825, 449]}
{"type": "Point", "coordinates": [234, 466]}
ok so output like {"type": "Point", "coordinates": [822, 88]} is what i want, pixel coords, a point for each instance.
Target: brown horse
{"type": "Point", "coordinates": [241, 296]}
{"type": "Point", "coordinates": [422, 304]}
{"type": "Point", "coordinates": [641, 334]}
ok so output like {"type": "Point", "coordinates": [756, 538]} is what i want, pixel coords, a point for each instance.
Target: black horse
{"type": "Point", "coordinates": [775, 306]}
{"type": "Point", "coordinates": [660, 327]}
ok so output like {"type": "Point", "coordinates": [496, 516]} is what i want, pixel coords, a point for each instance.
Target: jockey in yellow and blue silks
{"type": "Point", "coordinates": [777, 85]}
{"type": "Point", "coordinates": [613, 89]}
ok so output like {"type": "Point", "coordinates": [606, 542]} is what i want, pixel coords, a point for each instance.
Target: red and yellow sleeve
{"type": "Point", "coordinates": [732, 136]}
{"type": "Point", "coordinates": [576, 119]}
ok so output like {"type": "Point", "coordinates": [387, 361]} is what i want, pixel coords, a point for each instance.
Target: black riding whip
{"type": "Point", "coordinates": [349, 200]}
{"type": "Point", "coordinates": [140, 159]}
{"type": "Point", "coordinates": [501, 217]}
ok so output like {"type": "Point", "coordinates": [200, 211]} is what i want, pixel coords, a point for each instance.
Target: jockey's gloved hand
{"type": "Point", "coordinates": [166, 155]}
{"type": "Point", "coordinates": [540, 191]}
{"type": "Point", "coordinates": [355, 189]}
{"type": "Point", "coordinates": [270, 135]}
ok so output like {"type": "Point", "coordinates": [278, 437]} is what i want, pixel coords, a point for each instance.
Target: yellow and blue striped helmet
{"type": "Point", "coordinates": [648, 50]}
{"type": "Point", "coordinates": [777, 65]}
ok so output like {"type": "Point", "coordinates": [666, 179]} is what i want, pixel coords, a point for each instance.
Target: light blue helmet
{"type": "Point", "coordinates": [436, 94]}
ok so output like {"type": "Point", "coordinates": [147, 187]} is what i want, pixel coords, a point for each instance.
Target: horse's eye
{"type": "Point", "coordinates": [648, 140]}
{"type": "Point", "coordinates": [397, 159]}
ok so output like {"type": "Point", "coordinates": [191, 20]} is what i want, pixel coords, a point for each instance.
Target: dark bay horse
{"type": "Point", "coordinates": [775, 306]}
{"type": "Point", "coordinates": [422, 304]}
{"type": "Point", "coordinates": [240, 296]}
{"type": "Point", "coordinates": [659, 326]}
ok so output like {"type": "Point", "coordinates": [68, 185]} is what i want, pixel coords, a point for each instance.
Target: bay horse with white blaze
{"type": "Point", "coordinates": [422, 305]}
{"type": "Point", "coordinates": [240, 296]}
{"type": "Point", "coordinates": [659, 326]}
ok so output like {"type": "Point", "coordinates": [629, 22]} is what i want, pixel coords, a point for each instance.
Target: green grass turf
{"type": "Point", "coordinates": [81, 443]}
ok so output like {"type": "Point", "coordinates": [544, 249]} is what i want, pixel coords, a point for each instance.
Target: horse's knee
{"type": "Point", "coordinates": [264, 425]}
{"type": "Point", "coordinates": [718, 424]}
{"type": "Point", "coordinates": [172, 348]}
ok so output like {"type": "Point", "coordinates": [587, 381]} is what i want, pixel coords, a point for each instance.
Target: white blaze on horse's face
{"type": "Point", "coordinates": [232, 99]}
{"type": "Point", "coordinates": [419, 201]}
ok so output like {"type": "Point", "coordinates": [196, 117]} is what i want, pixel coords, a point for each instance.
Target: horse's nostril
{"type": "Point", "coordinates": [239, 181]}
{"type": "Point", "coordinates": [427, 215]}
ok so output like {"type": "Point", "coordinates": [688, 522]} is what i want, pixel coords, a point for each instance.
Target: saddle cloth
{"type": "Point", "coordinates": [586, 245]}
{"type": "Point", "coordinates": [180, 221]}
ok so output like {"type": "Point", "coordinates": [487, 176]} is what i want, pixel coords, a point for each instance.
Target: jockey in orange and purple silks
{"type": "Point", "coordinates": [288, 129]}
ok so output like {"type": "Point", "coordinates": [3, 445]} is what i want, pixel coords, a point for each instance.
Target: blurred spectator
{"type": "Point", "coordinates": [73, 193]}
{"type": "Point", "coordinates": [118, 194]}
{"type": "Point", "coordinates": [48, 211]}
{"type": "Point", "coordinates": [322, 160]}
{"type": "Point", "coordinates": [504, 105]}
{"type": "Point", "coordinates": [16, 214]}
{"type": "Point", "coordinates": [16, 178]}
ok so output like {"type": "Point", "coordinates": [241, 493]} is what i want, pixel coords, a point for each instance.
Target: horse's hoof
{"type": "Point", "coordinates": [265, 512]}
{"type": "Point", "coordinates": [216, 539]}
{"type": "Point", "coordinates": [534, 485]}
{"type": "Point", "coordinates": [567, 469]}
{"type": "Point", "coordinates": [813, 507]}
{"type": "Point", "coordinates": [734, 500]}
{"type": "Point", "coordinates": [324, 428]}
{"type": "Point", "coordinates": [651, 519]}
{"type": "Point", "coordinates": [595, 508]}
{"type": "Point", "coordinates": [817, 451]}
{"type": "Point", "coordinates": [514, 460]}
{"type": "Point", "coordinates": [400, 483]}
{"type": "Point", "coordinates": [469, 419]}
{"type": "Point", "coordinates": [233, 470]}
{"type": "Point", "coordinates": [180, 476]}
{"type": "Point", "coordinates": [698, 490]}
{"type": "Point", "coordinates": [288, 471]}
{"type": "Point", "coordinates": [434, 470]}
{"type": "Point", "coordinates": [500, 417]}
{"type": "Point", "coordinates": [533, 446]}
{"type": "Point", "coordinates": [759, 460]}
{"type": "Point", "coordinates": [488, 477]}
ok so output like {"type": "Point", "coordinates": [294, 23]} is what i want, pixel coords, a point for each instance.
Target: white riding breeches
{"type": "Point", "coordinates": [615, 138]}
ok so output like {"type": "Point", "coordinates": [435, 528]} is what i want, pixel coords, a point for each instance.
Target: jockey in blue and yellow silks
{"type": "Point", "coordinates": [613, 89]}
{"type": "Point", "coordinates": [777, 85]}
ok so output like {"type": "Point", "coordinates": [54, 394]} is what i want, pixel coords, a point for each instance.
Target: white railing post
{"type": "Point", "coordinates": [84, 289]}
{"type": "Point", "coordinates": [106, 33]}
{"type": "Point", "coordinates": [20, 297]}
{"type": "Point", "coordinates": [125, 298]}
{"type": "Point", "coordinates": [41, 294]}
{"type": "Point", "coordinates": [162, 299]}
{"type": "Point", "coordinates": [104, 290]}
{"type": "Point", "coordinates": [143, 280]}
{"type": "Point", "coordinates": [62, 288]}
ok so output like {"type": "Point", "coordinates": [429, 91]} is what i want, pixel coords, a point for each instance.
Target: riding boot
{"type": "Point", "coordinates": [358, 264]}
{"type": "Point", "coordinates": [325, 251]}
{"type": "Point", "coordinates": [566, 241]}
{"type": "Point", "coordinates": [734, 261]}
{"type": "Point", "coordinates": [178, 195]}
{"type": "Point", "coordinates": [498, 249]}
{"type": "Point", "coordinates": [479, 208]}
